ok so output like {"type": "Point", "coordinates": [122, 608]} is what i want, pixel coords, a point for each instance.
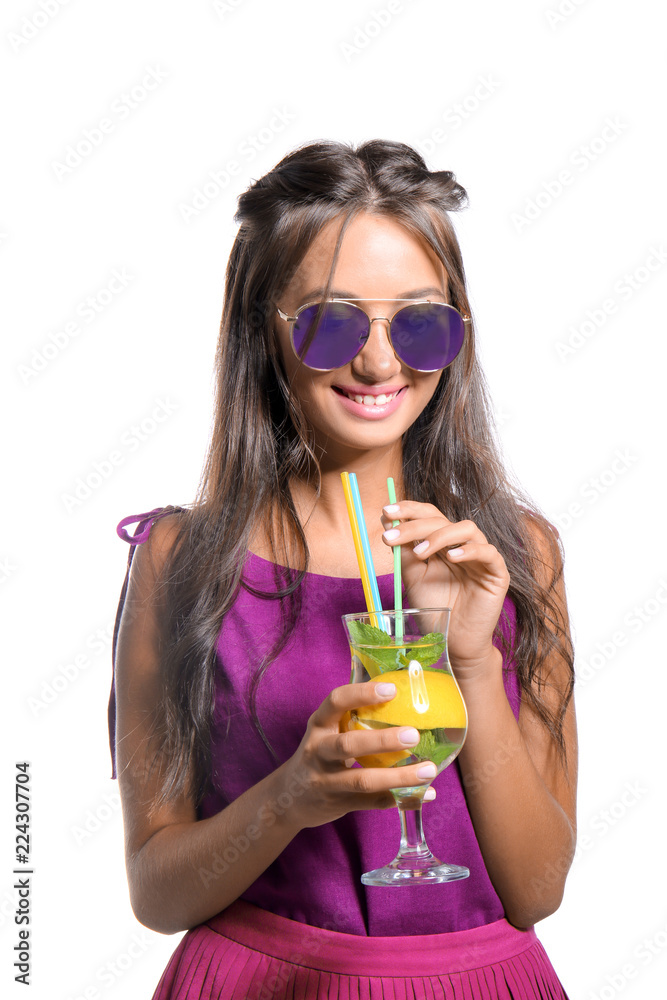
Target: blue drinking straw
{"type": "Point", "coordinates": [365, 544]}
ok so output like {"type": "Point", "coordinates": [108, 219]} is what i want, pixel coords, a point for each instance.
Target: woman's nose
{"type": "Point", "coordinates": [376, 361]}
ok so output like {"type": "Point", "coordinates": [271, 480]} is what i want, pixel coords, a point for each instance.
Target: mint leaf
{"type": "Point", "coordinates": [385, 659]}
{"type": "Point", "coordinates": [368, 635]}
{"type": "Point", "coordinates": [430, 749]}
{"type": "Point", "coordinates": [369, 641]}
{"type": "Point", "coordinates": [427, 653]}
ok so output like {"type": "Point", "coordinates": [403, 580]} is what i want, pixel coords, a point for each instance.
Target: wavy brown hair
{"type": "Point", "coordinates": [260, 441]}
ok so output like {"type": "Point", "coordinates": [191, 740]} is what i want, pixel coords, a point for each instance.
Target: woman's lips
{"type": "Point", "coordinates": [372, 404]}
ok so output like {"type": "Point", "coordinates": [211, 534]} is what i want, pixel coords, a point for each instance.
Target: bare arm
{"type": "Point", "coordinates": [521, 799]}
{"type": "Point", "coordinates": [182, 871]}
{"type": "Point", "coordinates": [522, 804]}
{"type": "Point", "coordinates": [187, 871]}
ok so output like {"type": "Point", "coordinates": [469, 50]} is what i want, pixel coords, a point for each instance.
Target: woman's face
{"type": "Point", "coordinates": [378, 259]}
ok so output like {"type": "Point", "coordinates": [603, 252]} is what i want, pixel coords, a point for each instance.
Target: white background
{"type": "Point", "coordinates": [535, 93]}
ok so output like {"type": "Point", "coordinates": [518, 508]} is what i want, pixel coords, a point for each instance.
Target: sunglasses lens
{"type": "Point", "coordinates": [427, 336]}
{"type": "Point", "coordinates": [340, 333]}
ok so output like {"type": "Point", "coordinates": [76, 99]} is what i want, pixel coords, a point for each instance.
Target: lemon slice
{"type": "Point", "coordinates": [443, 707]}
{"type": "Point", "coordinates": [347, 723]}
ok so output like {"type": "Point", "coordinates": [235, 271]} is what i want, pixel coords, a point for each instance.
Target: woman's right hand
{"type": "Point", "coordinates": [321, 766]}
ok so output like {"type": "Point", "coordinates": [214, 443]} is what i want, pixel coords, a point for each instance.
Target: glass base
{"type": "Point", "coordinates": [414, 871]}
{"type": "Point", "coordinates": [414, 862]}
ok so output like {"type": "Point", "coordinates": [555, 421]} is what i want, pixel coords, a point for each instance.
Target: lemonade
{"type": "Point", "coordinates": [408, 647]}
{"type": "Point", "coordinates": [427, 697]}
{"type": "Point", "coordinates": [445, 705]}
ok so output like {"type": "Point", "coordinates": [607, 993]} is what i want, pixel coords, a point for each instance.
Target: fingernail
{"type": "Point", "coordinates": [429, 794]}
{"type": "Point", "coordinates": [422, 547]}
{"type": "Point", "coordinates": [455, 553]}
{"type": "Point", "coordinates": [385, 690]}
{"type": "Point", "coordinates": [427, 771]}
{"type": "Point", "coordinates": [391, 535]}
{"type": "Point", "coordinates": [391, 508]}
{"type": "Point", "coordinates": [409, 735]}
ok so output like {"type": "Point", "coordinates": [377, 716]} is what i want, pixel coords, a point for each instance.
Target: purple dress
{"type": "Point", "coordinates": [316, 880]}
{"type": "Point", "coordinates": [330, 859]}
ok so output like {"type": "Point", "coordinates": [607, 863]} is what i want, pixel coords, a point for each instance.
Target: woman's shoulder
{"type": "Point", "coordinates": [538, 553]}
{"type": "Point", "coordinates": [154, 541]}
{"type": "Point", "coordinates": [545, 547]}
{"type": "Point", "coordinates": [538, 539]}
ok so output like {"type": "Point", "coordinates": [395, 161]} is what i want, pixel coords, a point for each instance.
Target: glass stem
{"type": "Point", "coordinates": [413, 845]}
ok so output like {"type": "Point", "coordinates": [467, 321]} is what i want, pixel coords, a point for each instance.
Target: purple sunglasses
{"type": "Point", "coordinates": [426, 336]}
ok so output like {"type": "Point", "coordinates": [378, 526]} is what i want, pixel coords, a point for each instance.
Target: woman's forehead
{"type": "Point", "coordinates": [374, 248]}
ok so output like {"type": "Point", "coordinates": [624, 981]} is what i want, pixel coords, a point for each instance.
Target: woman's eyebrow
{"type": "Point", "coordinates": [418, 293]}
{"type": "Point", "coordinates": [339, 293]}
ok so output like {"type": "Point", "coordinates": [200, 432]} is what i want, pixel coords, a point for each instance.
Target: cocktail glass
{"type": "Point", "coordinates": [409, 649]}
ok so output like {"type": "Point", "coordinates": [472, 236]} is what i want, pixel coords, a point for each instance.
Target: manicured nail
{"type": "Point", "coordinates": [391, 535]}
{"type": "Point", "coordinates": [385, 690]}
{"type": "Point", "coordinates": [409, 735]}
{"type": "Point", "coordinates": [391, 508]}
{"type": "Point", "coordinates": [429, 794]}
{"type": "Point", "coordinates": [455, 552]}
{"type": "Point", "coordinates": [422, 547]}
{"type": "Point", "coordinates": [427, 771]}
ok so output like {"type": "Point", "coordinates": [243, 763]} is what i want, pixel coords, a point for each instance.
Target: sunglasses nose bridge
{"type": "Point", "coordinates": [380, 319]}
{"type": "Point", "coordinates": [377, 354]}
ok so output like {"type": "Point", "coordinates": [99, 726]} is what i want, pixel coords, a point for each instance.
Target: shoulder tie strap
{"type": "Point", "coordinates": [143, 528]}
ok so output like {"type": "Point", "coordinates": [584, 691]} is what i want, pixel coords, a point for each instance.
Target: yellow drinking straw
{"type": "Point", "coordinates": [356, 535]}
{"type": "Point", "coordinates": [398, 592]}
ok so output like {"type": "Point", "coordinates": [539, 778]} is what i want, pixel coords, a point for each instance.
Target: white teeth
{"type": "Point", "coordinates": [380, 400]}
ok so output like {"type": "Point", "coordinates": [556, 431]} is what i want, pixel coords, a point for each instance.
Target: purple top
{"type": "Point", "coordinates": [316, 879]}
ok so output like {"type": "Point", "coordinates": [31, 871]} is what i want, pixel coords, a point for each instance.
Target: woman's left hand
{"type": "Point", "coordinates": [453, 566]}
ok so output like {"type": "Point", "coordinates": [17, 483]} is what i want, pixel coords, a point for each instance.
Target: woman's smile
{"type": "Point", "coordinates": [371, 402]}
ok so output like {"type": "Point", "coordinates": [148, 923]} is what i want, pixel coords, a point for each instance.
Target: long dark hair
{"type": "Point", "coordinates": [260, 441]}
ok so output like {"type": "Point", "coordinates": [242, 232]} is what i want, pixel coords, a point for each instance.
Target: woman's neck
{"type": "Point", "coordinates": [329, 509]}
{"type": "Point", "coordinates": [325, 518]}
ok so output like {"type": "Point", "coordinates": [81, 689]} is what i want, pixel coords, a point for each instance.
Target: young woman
{"type": "Point", "coordinates": [246, 823]}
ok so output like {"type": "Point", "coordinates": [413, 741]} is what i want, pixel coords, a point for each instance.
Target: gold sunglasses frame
{"type": "Point", "coordinates": [467, 324]}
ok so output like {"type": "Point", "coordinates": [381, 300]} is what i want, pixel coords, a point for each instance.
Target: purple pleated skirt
{"type": "Point", "coordinates": [246, 953]}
